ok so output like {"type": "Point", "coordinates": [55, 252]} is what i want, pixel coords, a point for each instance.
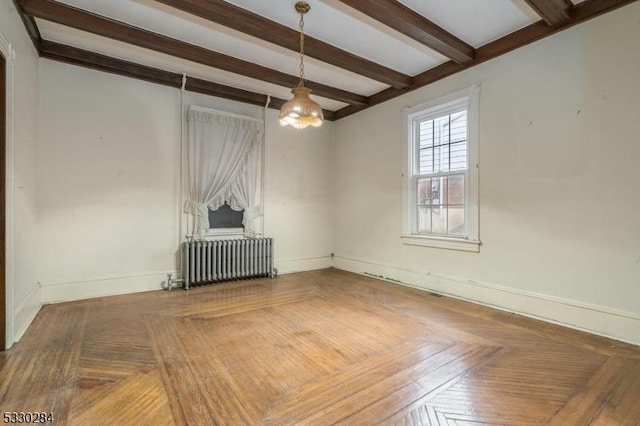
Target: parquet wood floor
{"type": "Point", "coordinates": [324, 347]}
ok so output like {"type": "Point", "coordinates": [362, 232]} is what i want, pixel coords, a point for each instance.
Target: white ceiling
{"type": "Point", "coordinates": [476, 22]}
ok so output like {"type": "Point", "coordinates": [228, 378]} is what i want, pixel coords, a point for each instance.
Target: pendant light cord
{"type": "Point", "coordinates": [301, 83]}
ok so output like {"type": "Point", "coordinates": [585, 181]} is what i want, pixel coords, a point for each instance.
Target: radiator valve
{"type": "Point", "coordinates": [171, 282]}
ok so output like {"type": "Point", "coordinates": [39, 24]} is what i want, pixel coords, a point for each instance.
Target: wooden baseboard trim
{"type": "Point", "coordinates": [25, 313]}
{"type": "Point", "coordinates": [100, 287]}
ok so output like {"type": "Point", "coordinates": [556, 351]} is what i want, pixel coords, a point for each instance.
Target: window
{"type": "Point", "coordinates": [223, 156]}
{"type": "Point", "coordinates": [441, 173]}
{"type": "Point", "coordinates": [225, 221]}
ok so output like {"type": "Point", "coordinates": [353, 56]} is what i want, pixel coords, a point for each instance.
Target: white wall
{"type": "Point", "coordinates": [299, 195]}
{"type": "Point", "coordinates": [108, 184]}
{"type": "Point", "coordinates": [107, 167]}
{"type": "Point", "coordinates": [23, 293]}
{"type": "Point", "coordinates": [559, 183]}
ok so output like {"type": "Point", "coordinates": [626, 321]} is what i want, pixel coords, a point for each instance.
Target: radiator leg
{"type": "Point", "coordinates": [272, 268]}
{"type": "Point", "coordinates": [188, 265]}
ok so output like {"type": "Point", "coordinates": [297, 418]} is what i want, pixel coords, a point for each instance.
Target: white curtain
{"type": "Point", "coordinates": [245, 193]}
{"type": "Point", "coordinates": [224, 153]}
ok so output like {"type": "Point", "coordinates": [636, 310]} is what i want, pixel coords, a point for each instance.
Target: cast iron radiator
{"type": "Point", "coordinates": [224, 260]}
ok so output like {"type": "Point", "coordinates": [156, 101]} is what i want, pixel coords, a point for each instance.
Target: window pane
{"type": "Point", "coordinates": [455, 190]}
{"type": "Point", "coordinates": [426, 134]}
{"type": "Point", "coordinates": [437, 158]}
{"type": "Point", "coordinates": [441, 220]}
{"type": "Point", "coordinates": [423, 190]}
{"type": "Point", "coordinates": [426, 161]}
{"type": "Point", "coordinates": [442, 143]}
{"type": "Point", "coordinates": [441, 130]}
{"type": "Point", "coordinates": [438, 220]}
{"type": "Point", "coordinates": [458, 156]}
{"type": "Point", "coordinates": [459, 127]}
{"type": "Point", "coordinates": [443, 165]}
{"type": "Point", "coordinates": [424, 220]}
{"type": "Point", "coordinates": [456, 220]}
{"type": "Point", "coordinates": [429, 191]}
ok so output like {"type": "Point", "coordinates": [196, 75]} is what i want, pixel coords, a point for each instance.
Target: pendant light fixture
{"type": "Point", "coordinates": [301, 111]}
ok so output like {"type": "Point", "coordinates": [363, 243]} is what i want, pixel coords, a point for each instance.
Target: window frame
{"type": "Point", "coordinates": [448, 104]}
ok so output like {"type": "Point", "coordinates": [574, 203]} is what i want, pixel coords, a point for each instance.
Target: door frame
{"type": "Point", "coordinates": [7, 307]}
{"type": "Point", "coordinates": [3, 142]}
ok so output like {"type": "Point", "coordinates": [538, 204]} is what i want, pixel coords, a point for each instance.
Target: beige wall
{"type": "Point", "coordinates": [23, 293]}
{"type": "Point", "coordinates": [559, 183]}
{"type": "Point", "coordinates": [108, 174]}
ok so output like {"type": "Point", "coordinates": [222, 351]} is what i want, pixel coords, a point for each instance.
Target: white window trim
{"type": "Point", "coordinates": [409, 236]}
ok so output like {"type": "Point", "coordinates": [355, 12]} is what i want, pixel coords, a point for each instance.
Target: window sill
{"type": "Point", "coordinates": [224, 233]}
{"type": "Point", "coordinates": [442, 242]}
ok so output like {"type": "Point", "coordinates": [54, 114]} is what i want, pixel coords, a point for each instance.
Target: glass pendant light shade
{"type": "Point", "coordinates": [301, 111]}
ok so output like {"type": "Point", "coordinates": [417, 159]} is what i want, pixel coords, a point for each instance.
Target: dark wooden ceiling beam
{"type": "Point", "coordinates": [581, 12]}
{"type": "Point", "coordinates": [85, 58]}
{"type": "Point", "coordinates": [239, 19]}
{"type": "Point", "coordinates": [92, 23]}
{"type": "Point", "coordinates": [404, 20]}
{"type": "Point", "coordinates": [554, 12]}
{"type": "Point", "coordinates": [29, 24]}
